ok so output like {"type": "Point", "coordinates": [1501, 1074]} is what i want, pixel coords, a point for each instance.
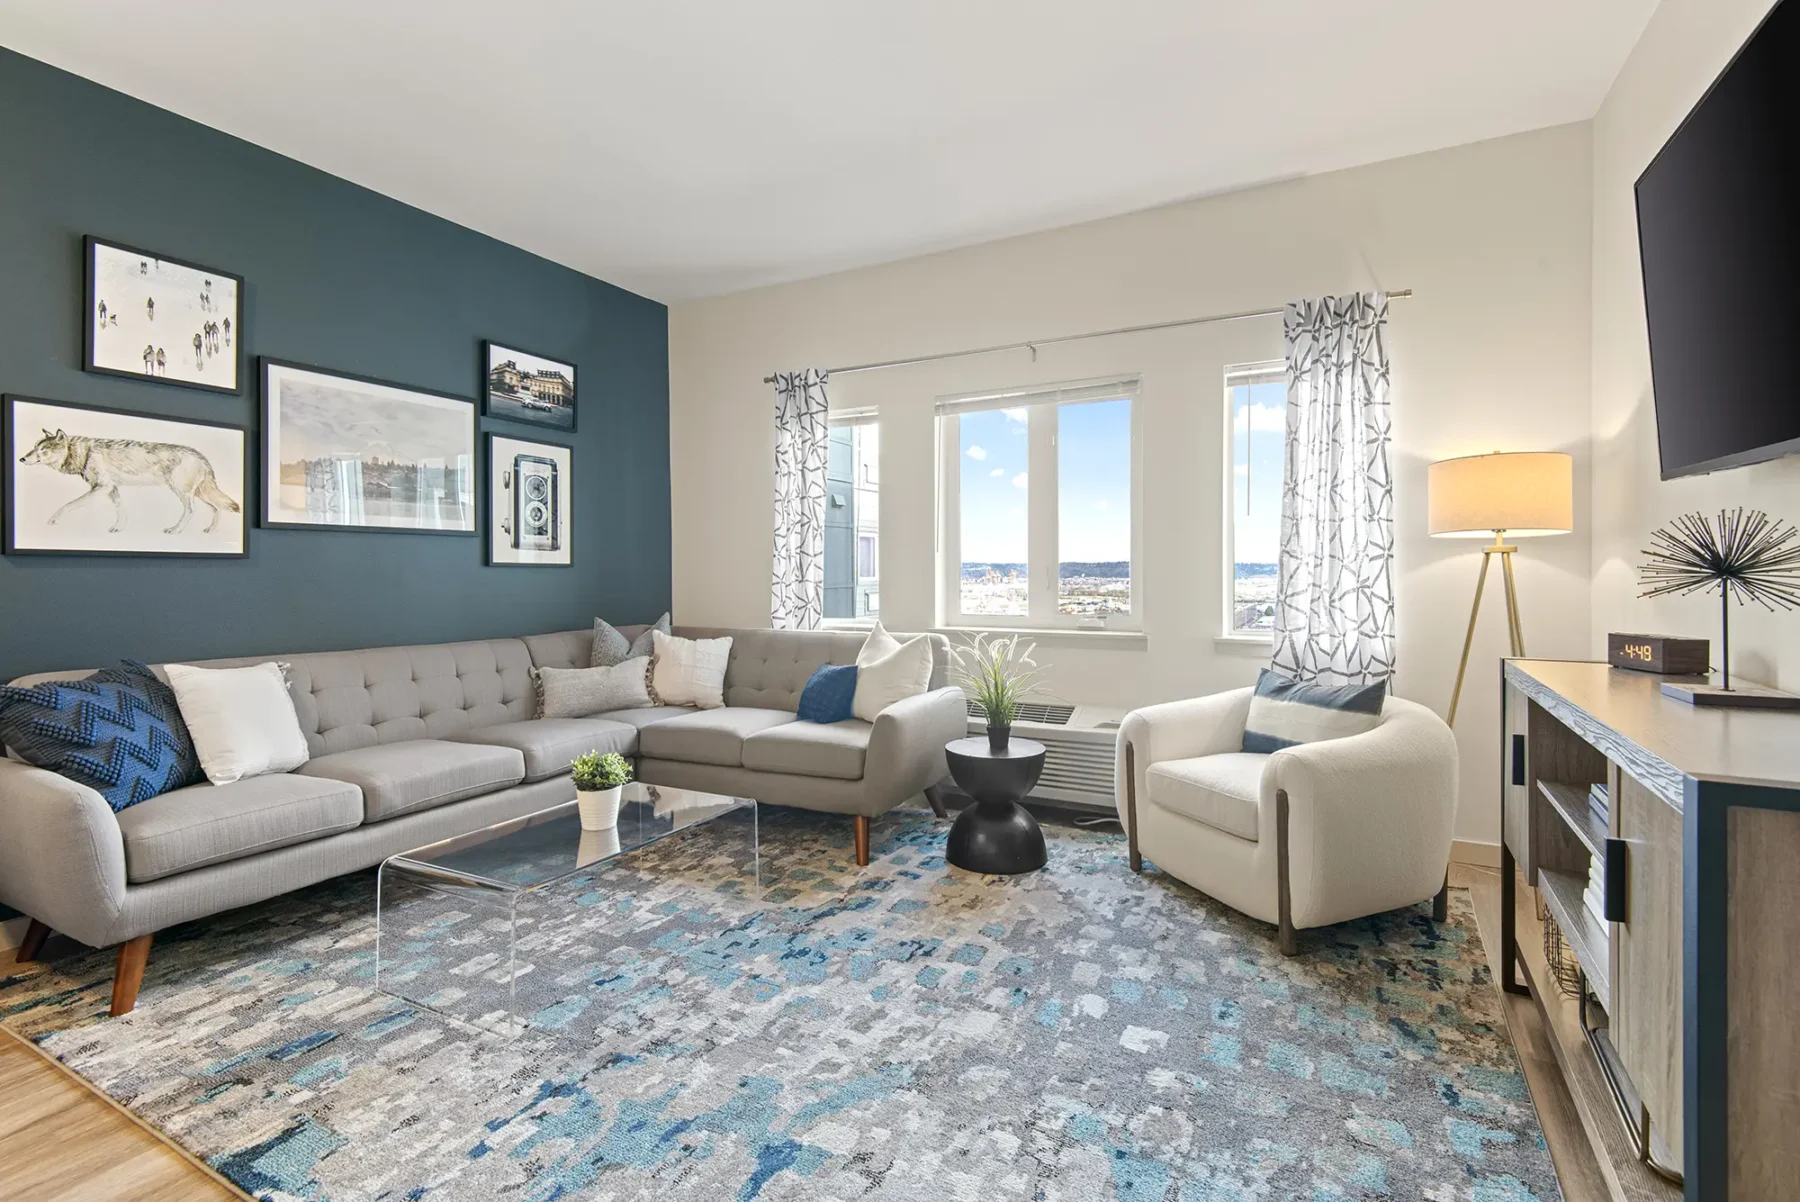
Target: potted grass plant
{"type": "Point", "coordinates": [996, 674]}
{"type": "Point", "coordinates": [600, 782]}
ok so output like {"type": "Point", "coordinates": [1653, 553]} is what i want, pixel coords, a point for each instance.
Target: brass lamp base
{"type": "Point", "coordinates": [1514, 631]}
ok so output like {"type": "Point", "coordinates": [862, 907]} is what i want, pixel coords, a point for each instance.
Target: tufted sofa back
{"type": "Point", "coordinates": [767, 668]}
{"type": "Point", "coordinates": [351, 699]}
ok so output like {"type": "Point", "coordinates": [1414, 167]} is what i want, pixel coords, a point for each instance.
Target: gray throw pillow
{"type": "Point", "coordinates": [578, 692]}
{"type": "Point", "coordinates": [611, 647]}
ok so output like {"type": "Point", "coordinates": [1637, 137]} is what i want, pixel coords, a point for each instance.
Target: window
{"type": "Point", "coordinates": [853, 518]}
{"type": "Point", "coordinates": [1039, 504]}
{"type": "Point", "coordinates": [1256, 415]}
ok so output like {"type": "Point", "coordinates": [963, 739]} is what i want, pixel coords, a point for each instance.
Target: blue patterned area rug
{"type": "Point", "coordinates": [904, 1031]}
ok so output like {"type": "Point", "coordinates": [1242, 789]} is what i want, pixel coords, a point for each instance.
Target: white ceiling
{"type": "Point", "coordinates": [684, 148]}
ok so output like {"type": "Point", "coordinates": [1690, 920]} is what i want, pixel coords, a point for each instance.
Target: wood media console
{"type": "Point", "coordinates": [1689, 980]}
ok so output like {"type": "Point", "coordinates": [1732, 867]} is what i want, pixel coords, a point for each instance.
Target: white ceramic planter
{"type": "Point", "coordinates": [599, 810]}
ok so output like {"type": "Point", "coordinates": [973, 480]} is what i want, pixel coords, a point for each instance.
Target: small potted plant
{"type": "Point", "coordinates": [996, 675]}
{"type": "Point", "coordinates": [600, 781]}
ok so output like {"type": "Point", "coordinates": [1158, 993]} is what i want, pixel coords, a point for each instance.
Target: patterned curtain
{"type": "Point", "coordinates": [1334, 595]}
{"type": "Point", "coordinates": [797, 591]}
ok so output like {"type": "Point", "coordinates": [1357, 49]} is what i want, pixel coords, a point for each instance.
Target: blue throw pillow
{"type": "Point", "coordinates": [1284, 713]}
{"type": "Point", "coordinates": [119, 732]}
{"type": "Point", "coordinates": [828, 694]}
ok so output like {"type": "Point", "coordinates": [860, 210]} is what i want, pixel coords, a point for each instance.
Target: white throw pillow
{"type": "Point", "coordinates": [888, 670]}
{"type": "Point", "coordinates": [690, 671]}
{"type": "Point", "coordinates": [242, 720]}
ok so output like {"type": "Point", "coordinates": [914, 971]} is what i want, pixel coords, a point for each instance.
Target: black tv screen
{"type": "Point", "coordinates": [1719, 238]}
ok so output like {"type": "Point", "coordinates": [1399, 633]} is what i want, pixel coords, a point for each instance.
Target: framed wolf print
{"type": "Point", "coordinates": [531, 489]}
{"type": "Point", "coordinates": [150, 317]}
{"type": "Point", "coordinates": [346, 452]}
{"type": "Point", "coordinates": [88, 481]}
{"type": "Point", "coordinates": [523, 387]}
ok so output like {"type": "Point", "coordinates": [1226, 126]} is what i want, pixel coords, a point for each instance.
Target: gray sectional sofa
{"type": "Point", "coordinates": [411, 745]}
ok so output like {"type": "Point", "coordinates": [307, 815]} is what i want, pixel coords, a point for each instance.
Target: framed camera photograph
{"type": "Point", "coordinates": [531, 490]}
{"type": "Point", "coordinates": [344, 452]}
{"type": "Point", "coordinates": [81, 480]}
{"type": "Point", "coordinates": [523, 387]}
{"type": "Point", "coordinates": [150, 317]}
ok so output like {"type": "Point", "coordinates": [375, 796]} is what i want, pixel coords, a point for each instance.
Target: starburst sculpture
{"type": "Point", "coordinates": [1743, 553]}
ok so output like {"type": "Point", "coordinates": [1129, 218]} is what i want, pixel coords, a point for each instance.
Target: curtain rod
{"type": "Point", "coordinates": [1034, 343]}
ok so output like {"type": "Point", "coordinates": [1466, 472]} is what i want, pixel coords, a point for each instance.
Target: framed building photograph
{"type": "Point", "coordinates": [531, 489]}
{"type": "Point", "coordinates": [150, 317]}
{"type": "Point", "coordinates": [344, 452]}
{"type": "Point", "coordinates": [523, 387]}
{"type": "Point", "coordinates": [81, 480]}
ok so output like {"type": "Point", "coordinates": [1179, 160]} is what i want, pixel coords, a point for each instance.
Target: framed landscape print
{"type": "Point", "coordinates": [150, 317]}
{"type": "Point", "coordinates": [87, 481]}
{"type": "Point", "coordinates": [530, 493]}
{"type": "Point", "coordinates": [345, 452]}
{"type": "Point", "coordinates": [523, 387]}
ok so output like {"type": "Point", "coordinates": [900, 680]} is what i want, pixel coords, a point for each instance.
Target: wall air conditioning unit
{"type": "Point", "coordinates": [1079, 742]}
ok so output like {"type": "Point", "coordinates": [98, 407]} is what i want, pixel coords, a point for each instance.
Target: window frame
{"type": "Point", "coordinates": [1043, 499]}
{"type": "Point", "coordinates": [1237, 375]}
{"type": "Point", "coordinates": [861, 416]}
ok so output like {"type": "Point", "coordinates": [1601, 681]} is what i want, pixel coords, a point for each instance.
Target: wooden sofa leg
{"type": "Point", "coordinates": [33, 943]}
{"type": "Point", "coordinates": [1440, 905]}
{"type": "Point", "coordinates": [1133, 856]}
{"type": "Point", "coordinates": [1284, 897]}
{"type": "Point", "coordinates": [935, 795]}
{"type": "Point", "coordinates": [862, 841]}
{"type": "Point", "coordinates": [129, 973]}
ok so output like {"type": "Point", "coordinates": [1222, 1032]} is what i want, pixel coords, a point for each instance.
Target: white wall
{"type": "Point", "coordinates": [1492, 353]}
{"type": "Point", "coordinates": [1684, 47]}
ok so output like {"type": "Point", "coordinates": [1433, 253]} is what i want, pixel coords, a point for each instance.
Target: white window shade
{"type": "Point", "coordinates": [1024, 398]}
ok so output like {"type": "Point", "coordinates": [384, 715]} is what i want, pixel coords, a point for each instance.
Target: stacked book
{"type": "Point", "coordinates": [1595, 895]}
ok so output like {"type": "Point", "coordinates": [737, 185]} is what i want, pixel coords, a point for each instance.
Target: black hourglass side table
{"type": "Point", "coordinates": [996, 834]}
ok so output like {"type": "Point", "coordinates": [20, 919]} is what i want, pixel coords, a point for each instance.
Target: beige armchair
{"type": "Point", "coordinates": [1312, 835]}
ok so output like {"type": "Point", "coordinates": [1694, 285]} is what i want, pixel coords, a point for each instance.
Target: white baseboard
{"type": "Point", "coordinates": [1481, 855]}
{"type": "Point", "coordinates": [12, 933]}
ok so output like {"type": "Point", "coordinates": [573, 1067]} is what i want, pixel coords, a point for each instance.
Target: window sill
{"type": "Point", "coordinates": [856, 625]}
{"type": "Point", "coordinates": [1120, 640]}
{"type": "Point", "coordinates": [1244, 644]}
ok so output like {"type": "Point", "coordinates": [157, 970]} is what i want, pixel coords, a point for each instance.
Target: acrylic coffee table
{"type": "Point", "coordinates": [454, 919]}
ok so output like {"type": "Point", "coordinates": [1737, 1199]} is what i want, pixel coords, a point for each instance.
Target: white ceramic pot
{"type": "Point", "coordinates": [599, 809]}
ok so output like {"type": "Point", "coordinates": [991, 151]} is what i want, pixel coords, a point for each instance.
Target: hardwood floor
{"type": "Point", "coordinates": [60, 1142]}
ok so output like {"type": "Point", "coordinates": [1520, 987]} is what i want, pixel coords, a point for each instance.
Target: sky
{"type": "Point", "coordinates": [1259, 421]}
{"type": "Point", "coordinates": [1094, 483]}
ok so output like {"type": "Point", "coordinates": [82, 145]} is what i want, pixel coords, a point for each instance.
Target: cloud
{"type": "Point", "coordinates": [1102, 504]}
{"type": "Point", "coordinates": [1014, 415]}
{"type": "Point", "coordinates": [977, 453]}
{"type": "Point", "coordinates": [1264, 419]}
{"type": "Point", "coordinates": [997, 472]}
{"type": "Point", "coordinates": [1021, 480]}
{"type": "Point", "coordinates": [1017, 511]}
{"type": "Point", "coordinates": [1241, 470]}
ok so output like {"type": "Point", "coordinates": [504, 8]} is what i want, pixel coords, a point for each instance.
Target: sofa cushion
{"type": "Point", "coordinates": [641, 718]}
{"type": "Point", "coordinates": [831, 749]}
{"type": "Point", "coordinates": [1220, 790]}
{"type": "Point", "coordinates": [209, 824]}
{"type": "Point", "coordinates": [708, 736]}
{"type": "Point", "coordinates": [549, 744]}
{"type": "Point", "coordinates": [399, 778]}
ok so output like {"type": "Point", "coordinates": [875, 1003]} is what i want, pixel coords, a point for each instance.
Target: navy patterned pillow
{"type": "Point", "coordinates": [118, 731]}
{"type": "Point", "coordinates": [828, 694]}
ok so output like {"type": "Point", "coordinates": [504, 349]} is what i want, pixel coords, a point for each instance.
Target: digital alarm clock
{"type": "Point", "coordinates": [1660, 653]}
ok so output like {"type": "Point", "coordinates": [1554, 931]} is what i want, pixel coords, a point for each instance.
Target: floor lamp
{"type": "Point", "coordinates": [1517, 494]}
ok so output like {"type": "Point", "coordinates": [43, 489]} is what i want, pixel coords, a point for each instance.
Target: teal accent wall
{"type": "Point", "coordinates": [341, 277]}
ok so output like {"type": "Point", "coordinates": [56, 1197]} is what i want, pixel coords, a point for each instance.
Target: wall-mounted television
{"type": "Point", "coordinates": [1719, 239]}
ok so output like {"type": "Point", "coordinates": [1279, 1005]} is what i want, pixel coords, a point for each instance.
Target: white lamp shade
{"type": "Point", "coordinates": [1524, 493]}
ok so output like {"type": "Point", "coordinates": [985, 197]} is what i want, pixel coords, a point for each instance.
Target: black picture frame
{"type": "Point", "coordinates": [509, 410]}
{"type": "Point", "coordinates": [90, 246]}
{"type": "Point", "coordinates": [271, 472]}
{"type": "Point", "coordinates": [9, 404]}
{"type": "Point", "coordinates": [491, 498]}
